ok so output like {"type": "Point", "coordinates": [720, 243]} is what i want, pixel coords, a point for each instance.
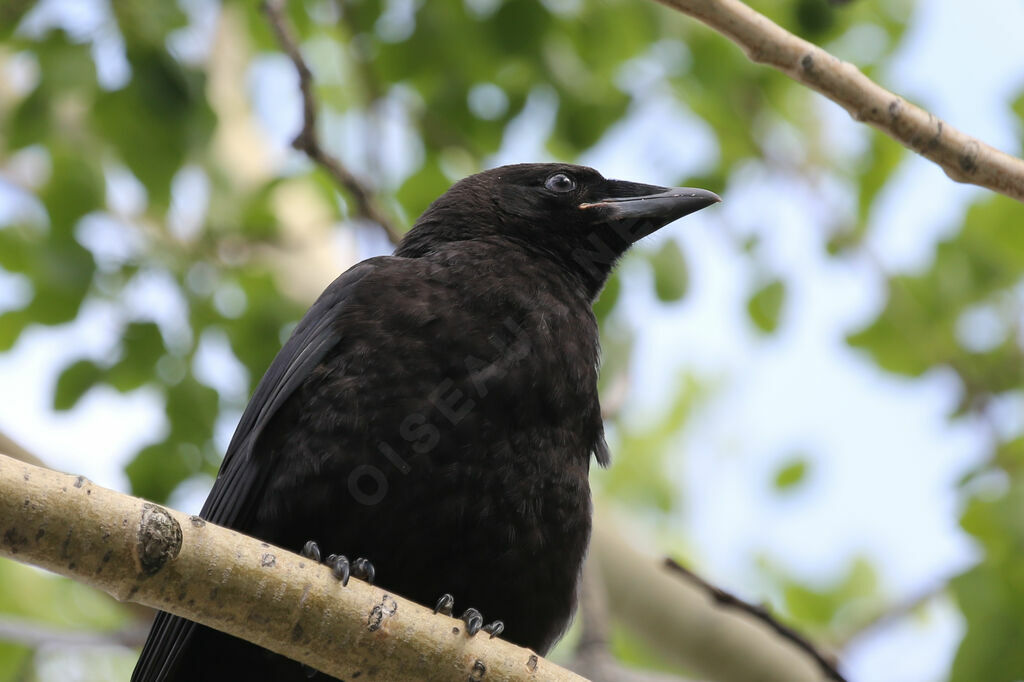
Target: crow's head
{"type": "Point", "coordinates": [568, 213]}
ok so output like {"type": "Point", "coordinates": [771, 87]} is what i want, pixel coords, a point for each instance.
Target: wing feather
{"type": "Point", "coordinates": [243, 473]}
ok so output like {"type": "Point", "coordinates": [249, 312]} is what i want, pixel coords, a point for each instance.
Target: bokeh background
{"type": "Point", "coordinates": [814, 389]}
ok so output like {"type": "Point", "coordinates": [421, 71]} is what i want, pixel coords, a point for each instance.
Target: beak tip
{"type": "Point", "coordinates": [707, 195]}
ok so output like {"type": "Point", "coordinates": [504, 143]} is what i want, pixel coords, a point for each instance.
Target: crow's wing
{"type": "Point", "coordinates": [242, 474]}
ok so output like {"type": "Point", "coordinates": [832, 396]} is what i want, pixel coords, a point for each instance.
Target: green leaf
{"type": "Point", "coordinates": [157, 470]}
{"type": "Point", "coordinates": [791, 474]}
{"type": "Point", "coordinates": [765, 305]}
{"type": "Point", "coordinates": [883, 158]}
{"type": "Point", "coordinates": [147, 22]}
{"type": "Point", "coordinates": [991, 595]}
{"type": "Point", "coordinates": [821, 607]}
{"type": "Point", "coordinates": [65, 64]}
{"type": "Point", "coordinates": [11, 12]}
{"type": "Point", "coordinates": [192, 410]}
{"type": "Point", "coordinates": [141, 347]}
{"type": "Point", "coordinates": [75, 188]}
{"type": "Point", "coordinates": [814, 18]}
{"type": "Point", "coordinates": [32, 122]}
{"type": "Point", "coordinates": [917, 328]}
{"type": "Point", "coordinates": [607, 298]}
{"type": "Point", "coordinates": [74, 381]}
{"type": "Point", "coordinates": [258, 220]}
{"type": "Point", "coordinates": [157, 121]}
{"type": "Point", "coordinates": [671, 275]}
{"type": "Point", "coordinates": [638, 473]}
{"type": "Point", "coordinates": [423, 187]}
{"type": "Point", "coordinates": [12, 323]}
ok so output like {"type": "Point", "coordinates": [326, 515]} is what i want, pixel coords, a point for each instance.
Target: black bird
{"type": "Point", "coordinates": [436, 411]}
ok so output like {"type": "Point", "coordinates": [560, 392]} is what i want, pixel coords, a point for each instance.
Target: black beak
{"type": "Point", "coordinates": [637, 210]}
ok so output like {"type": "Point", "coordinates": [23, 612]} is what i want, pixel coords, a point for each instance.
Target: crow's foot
{"type": "Point", "coordinates": [340, 566]}
{"type": "Point", "coordinates": [473, 619]}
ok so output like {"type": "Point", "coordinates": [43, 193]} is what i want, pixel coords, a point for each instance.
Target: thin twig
{"type": "Point", "coordinates": [826, 662]}
{"type": "Point", "coordinates": [893, 614]}
{"type": "Point", "coordinates": [962, 157]}
{"type": "Point", "coordinates": [307, 140]}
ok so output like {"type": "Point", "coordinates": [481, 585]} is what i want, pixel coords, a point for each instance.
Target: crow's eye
{"type": "Point", "coordinates": [560, 182]}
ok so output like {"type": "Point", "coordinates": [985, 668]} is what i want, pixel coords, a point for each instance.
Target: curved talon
{"type": "Point", "coordinates": [473, 620]}
{"type": "Point", "coordinates": [444, 604]}
{"type": "Point", "coordinates": [311, 550]}
{"type": "Point", "coordinates": [363, 569]}
{"type": "Point", "coordinates": [340, 567]}
{"type": "Point", "coordinates": [494, 629]}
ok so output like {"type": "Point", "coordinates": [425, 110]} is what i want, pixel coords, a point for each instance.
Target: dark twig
{"type": "Point", "coordinates": [307, 140]}
{"type": "Point", "coordinates": [827, 662]}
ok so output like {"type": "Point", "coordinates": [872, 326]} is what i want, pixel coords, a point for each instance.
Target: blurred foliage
{"type": "Point", "coordinates": [792, 474]}
{"type": "Point", "coordinates": [765, 305]}
{"type": "Point", "coordinates": [847, 599]}
{"type": "Point", "coordinates": [926, 324]}
{"type": "Point", "coordinates": [991, 595]}
{"type": "Point", "coordinates": [640, 476]}
{"type": "Point", "coordinates": [671, 278]}
{"type": "Point", "coordinates": [124, 106]}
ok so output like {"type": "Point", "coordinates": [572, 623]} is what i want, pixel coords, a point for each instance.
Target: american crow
{"type": "Point", "coordinates": [436, 411]}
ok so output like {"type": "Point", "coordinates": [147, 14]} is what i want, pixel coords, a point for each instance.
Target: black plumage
{"type": "Point", "coordinates": [436, 411]}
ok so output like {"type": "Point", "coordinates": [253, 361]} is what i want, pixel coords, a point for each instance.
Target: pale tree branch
{"type": "Point", "coordinates": [688, 622]}
{"type": "Point", "coordinates": [308, 140]}
{"type": "Point", "coordinates": [962, 157]}
{"type": "Point", "coordinates": [35, 635]}
{"type": "Point", "coordinates": [592, 658]}
{"type": "Point", "coordinates": [15, 450]}
{"type": "Point", "coordinates": [141, 552]}
{"type": "Point", "coordinates": [826, 662]}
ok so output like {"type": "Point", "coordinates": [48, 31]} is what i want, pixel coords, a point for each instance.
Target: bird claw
{"type": "Point", "coordinates": [311, 550]}
{"type": "Point", "coordinates": [473, 619]}
{"type": "Point", "coordinates": [340, 566]}
{"type": "Point", "coordinates": [444, 604]}
{"type": "Point", "coordinates": [494, 629]}
{"type": "Point", "coordinates": [364, 570]}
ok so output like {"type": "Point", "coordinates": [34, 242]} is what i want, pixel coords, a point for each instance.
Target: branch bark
{"type": "Point", "coordinates": [685, 622]}
{"type": "Point", "coordinates": [138, 551]}
{"type": "Point", "coordinates": [962, 157]}
{"type": "Point", "coordinates": [308, 139]}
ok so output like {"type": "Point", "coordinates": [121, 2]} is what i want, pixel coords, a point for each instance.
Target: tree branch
{"type": "Point", "coordinates": [32, 634]}
{"type": "Point", "coordinates": [15, 450]}
{"type": "Point", "coordinates": [893, 614]}
{"type": "Point", "coordinates": [593, 659]}
{"type": "Point", "coordinates": [826, 663]}
{"type": "Point", "coordinates": [962, 157]}
{"type": "Point", "coordinates": [308, 140]}
{"type": "Point", "coordinates": [688, 625]}
{"type": "Point", "coordinates": [138, 551]}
